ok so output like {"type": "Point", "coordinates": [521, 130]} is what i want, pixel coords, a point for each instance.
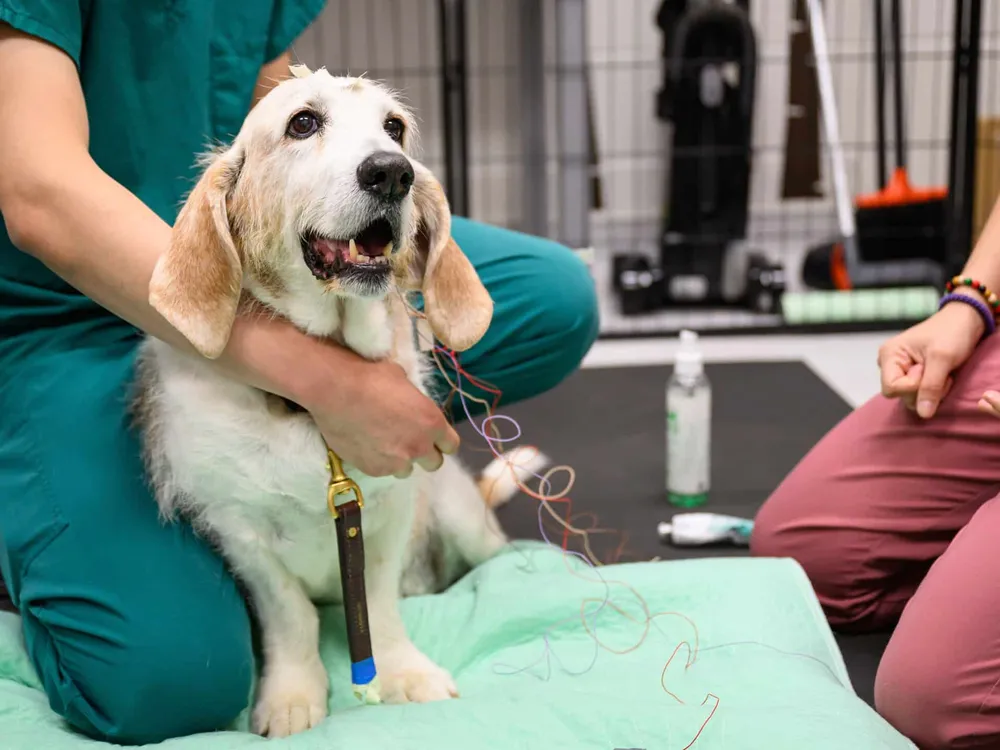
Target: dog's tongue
{"type": "Point", "coordinates": [370, 248]}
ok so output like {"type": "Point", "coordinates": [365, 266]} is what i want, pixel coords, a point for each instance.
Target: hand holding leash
{"type": "Point", "coordinates": [378, 421]}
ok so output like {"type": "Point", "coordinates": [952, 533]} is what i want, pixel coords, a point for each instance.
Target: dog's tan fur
{"type": "Point", "coordinates": [250, 472]}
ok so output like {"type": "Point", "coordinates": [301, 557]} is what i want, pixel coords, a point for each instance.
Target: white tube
{"type": "Point", "coordinates": [692, 529]}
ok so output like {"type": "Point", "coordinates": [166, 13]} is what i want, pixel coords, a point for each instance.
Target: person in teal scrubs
{"type": "Point", "coordinates": [137, 631]}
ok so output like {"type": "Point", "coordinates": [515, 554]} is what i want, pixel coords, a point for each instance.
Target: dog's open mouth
{"type": "Point", "coordinates": [369, 252]}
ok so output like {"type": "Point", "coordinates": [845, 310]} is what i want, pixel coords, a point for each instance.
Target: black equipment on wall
{"type": "Point", "coordinates": [963, 148]}
{"type": "Point", "coordinates": [707, 96]}
{"type": "Point", "coordinates": [455, 103]}
{"type": "Point", "coordinates": [709, 101]}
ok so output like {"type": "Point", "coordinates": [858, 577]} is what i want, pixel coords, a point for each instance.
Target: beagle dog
{"type": "Point", "coordinates": [319, 213]}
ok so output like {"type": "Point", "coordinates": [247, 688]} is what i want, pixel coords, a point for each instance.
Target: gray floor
{"type": "Point", "coordinates": [609, 424]}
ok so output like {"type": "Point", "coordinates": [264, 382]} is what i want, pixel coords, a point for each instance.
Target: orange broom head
{"type": "Point", "coordinates": [899, 192]}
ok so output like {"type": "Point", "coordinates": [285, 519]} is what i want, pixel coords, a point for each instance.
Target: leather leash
{"type": "Point", "coordinates": [351, 548]}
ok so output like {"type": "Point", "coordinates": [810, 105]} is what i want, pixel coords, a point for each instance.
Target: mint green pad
{"type": "Point", "coordinates": [903, 303]}
{"type": "Point", "coordinates": [491, 624]}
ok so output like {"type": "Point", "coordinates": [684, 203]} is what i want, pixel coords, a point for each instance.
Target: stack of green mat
{"type": "Point", "coordinates": [862, 305]}
{"type": "Point", "coordinates": [531, 677]}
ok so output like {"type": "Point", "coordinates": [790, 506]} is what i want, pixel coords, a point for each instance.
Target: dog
{"type": "Point", "coordinates": [317, 212]}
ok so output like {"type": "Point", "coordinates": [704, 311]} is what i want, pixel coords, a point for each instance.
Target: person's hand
{"type": "Point", "coordinates": [990, 403]}
{"type": "Point", "coordinates": [917, 365]}
{"type": "Point", "coordinates": [374, 418]}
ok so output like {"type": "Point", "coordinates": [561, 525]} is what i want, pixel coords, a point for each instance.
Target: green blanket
{"type": "Point", "coordinates": [531, 676]}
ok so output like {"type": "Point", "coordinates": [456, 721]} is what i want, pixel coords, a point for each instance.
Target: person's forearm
{"type": "Point", "coordinates": [984, 261]}
{"type": "Point", "coordinates": [104, 241]}
{"type": "Point", "coordinates": [97, 236]}
{"type": "Point", "coordinates": [59, 206]}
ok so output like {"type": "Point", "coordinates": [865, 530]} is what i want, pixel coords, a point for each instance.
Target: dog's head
{"type": "Point", "coordinates": [318, 195]}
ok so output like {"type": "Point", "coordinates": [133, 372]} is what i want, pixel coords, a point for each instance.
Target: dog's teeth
{"type": "Point", "coordinates": [388, 250]}
{"type": "Point", "coordinates": [353, 247]}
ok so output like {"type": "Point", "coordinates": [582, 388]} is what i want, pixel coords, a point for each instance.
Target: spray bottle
{"type": "Point", "coordinates": [689, 421]}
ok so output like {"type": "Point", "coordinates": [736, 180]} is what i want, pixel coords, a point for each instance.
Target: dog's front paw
{"type": "Point", "coordinates": [291, 699]}
{"type": "Point", "coordinates": [407, 676]}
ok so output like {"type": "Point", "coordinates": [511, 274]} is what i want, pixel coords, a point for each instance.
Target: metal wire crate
{"type": "Point", "coordinates": [540, 115]}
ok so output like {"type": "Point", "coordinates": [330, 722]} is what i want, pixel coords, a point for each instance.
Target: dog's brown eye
{"type": "Point", "coordinates": [303, 125]}
{"type": "Point", "coordinates": [394, 127]}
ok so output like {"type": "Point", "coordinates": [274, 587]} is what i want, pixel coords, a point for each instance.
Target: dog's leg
{"type": "Point", "coordinates": [292, 695]}
{"type": "Point", "coordinates": [463, 516]}
{"type": "Point", "coordinates": [406, 674]}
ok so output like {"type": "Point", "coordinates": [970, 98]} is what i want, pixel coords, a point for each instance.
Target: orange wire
{"type": "Point", "coordinates": [568, 527]}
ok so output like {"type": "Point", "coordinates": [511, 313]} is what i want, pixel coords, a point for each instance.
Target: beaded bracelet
{"type": "Point", "coordinates": [984, 312]}
{"type": "Point", "coordinates": [991, 299]}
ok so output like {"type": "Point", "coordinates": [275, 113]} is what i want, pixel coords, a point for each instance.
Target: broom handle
{"type": "Point", "coordinates": [828, 103]}
{"type": "Point", "coordinates": [897, 76]}
{"type": "Point", "coordinates": [883, 175]}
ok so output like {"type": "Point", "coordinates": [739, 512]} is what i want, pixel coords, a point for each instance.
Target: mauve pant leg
{"type": "Point", "coordinates": [938, 681]}
{"type": "Point", "coordinates": [879, 499]}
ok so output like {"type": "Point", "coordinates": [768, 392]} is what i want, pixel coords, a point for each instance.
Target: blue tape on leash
{"type": "Point", "coordinates": [364, 681]}
{"type": "Point", "coordinates": [363, 672]}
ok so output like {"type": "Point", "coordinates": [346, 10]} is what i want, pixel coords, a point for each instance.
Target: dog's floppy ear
{"type": "Point", "coordinates": [457, 305]}
{"type": "Point", "coordinates": [196, 283]}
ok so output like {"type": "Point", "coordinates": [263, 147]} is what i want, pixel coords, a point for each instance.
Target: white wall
{"type": "Point", "coordinates": [397, 40]}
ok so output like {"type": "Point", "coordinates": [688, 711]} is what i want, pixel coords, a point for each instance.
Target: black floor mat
{"type": "Point", "coordinates": [610, 426]}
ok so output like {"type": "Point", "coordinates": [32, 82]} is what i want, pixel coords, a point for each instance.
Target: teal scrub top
{"type": "Point", "coordinates": [163, 80]}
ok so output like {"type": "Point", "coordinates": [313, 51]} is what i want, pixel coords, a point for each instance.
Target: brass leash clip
{"type": "Point", "coordinates": [340, 484]}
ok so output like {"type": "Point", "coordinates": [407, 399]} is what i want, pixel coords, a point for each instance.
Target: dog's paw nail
{"type": "Point", "coordinates": [282, 716]}
{"type": "Point", "coordinates": [289, 702]}
{"type": "Point", "coordinates": [417, 680]}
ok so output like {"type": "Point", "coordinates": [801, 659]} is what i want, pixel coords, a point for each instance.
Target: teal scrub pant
{"type": "Point", "coordinates": [135, 627]}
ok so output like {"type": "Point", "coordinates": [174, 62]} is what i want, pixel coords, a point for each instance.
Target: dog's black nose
{"type": "Point", "coordinates": [386, 174]}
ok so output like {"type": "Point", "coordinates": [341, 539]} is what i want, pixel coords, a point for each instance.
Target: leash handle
{"type": "Point", "coordinates": [351, 548]}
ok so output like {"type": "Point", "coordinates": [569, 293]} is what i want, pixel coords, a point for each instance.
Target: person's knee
{"type": "Point", "coordinates": [917, 697]}
{"type": "Point", "coordinates": [830, 556]}
{"type": "Point", "coordinates": [135, 628]}
{"type": "Point", "coordinates": [154, 679]}
{"type": "Point", "coordinates": [173, 694]}
{"type": "Point", "coordinates": [777, 533]}
{"type": "Point", "coordinates": [565, 308]}
{"type": "Point", "coordinates": [545, 315]}
{"type": "Point", "coordinates": [928, 720]}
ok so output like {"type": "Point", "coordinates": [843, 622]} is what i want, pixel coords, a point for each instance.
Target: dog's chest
{"type": "Point", "coordinates": [307, 547]}
{"type": "Point", "coordinates": [258, 473]}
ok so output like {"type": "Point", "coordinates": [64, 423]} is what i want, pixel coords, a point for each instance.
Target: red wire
{"type": "Point", "coordinates": [498, 395]}
{"type": "Point", "coordinates": [482, 385]}
{"type": "Point", "coordinates": [704, 723]}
